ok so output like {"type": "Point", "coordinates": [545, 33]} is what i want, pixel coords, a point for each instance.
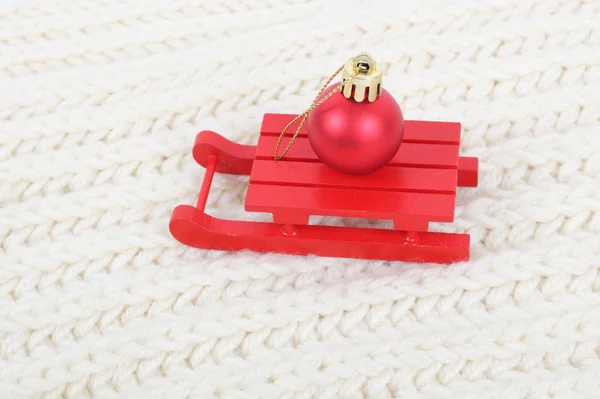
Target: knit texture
{"type": "Point", "coordinates": [100, 102]}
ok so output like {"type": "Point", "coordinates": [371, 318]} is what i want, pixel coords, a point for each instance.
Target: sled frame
{"type": "Point", "coordinates": [193, 227]}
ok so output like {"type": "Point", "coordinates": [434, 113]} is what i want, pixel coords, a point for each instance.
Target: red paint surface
{"type": "Point", "coordinates": [418, 187]}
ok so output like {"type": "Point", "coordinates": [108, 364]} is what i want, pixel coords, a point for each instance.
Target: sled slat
{"type": "Point", "coordinates": [315, 174]}
{"type": "Point", "coordinates": [414, 130]}
{"type": "Point", "coordinates": [349, 203]}
{"type": "Point", "coordinates": [431, 132]}
{"type": "Point", "coordinates": [410, 154]}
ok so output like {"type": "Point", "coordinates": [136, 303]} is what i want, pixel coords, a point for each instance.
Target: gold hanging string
{"type": "Point", "coordinates": [314, 105]}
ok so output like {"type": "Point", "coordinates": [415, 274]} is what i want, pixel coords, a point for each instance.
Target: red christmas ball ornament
{"type": "Point", "coordinates": [356, 127]}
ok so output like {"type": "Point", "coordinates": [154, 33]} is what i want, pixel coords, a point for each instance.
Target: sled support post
{"type": "Point", "coordinates": [208, 176]}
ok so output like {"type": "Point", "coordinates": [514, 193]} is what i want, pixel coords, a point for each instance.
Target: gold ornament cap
{"type": "Point", "coordinates": [361, 78]}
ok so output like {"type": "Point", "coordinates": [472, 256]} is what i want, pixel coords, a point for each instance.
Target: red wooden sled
{"type": "Point", "coordinates": [416, 188]}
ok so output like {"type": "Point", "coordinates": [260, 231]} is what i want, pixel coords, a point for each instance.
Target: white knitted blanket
{"type": "Point", "coordinates": [100, 102]}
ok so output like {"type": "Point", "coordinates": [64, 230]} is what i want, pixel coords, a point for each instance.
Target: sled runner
{"type": "Point", "coordinates": [417, 187]}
